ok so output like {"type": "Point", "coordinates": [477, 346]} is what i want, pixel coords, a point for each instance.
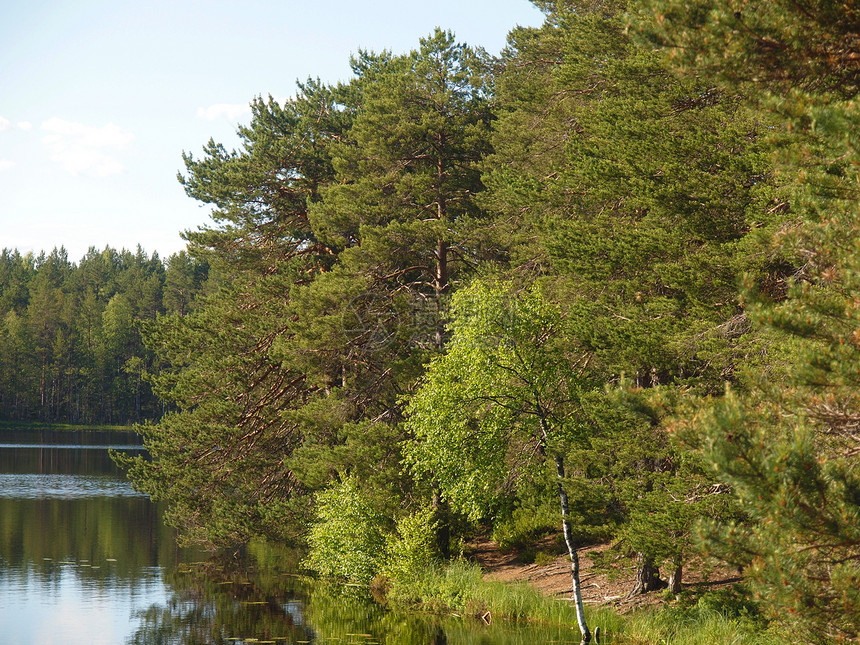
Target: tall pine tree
{"type": "Point", "coordinates": [789, 446]}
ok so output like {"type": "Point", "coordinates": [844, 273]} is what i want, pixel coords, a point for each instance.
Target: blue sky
{"type": "Point", "coordinates": [98, 99]}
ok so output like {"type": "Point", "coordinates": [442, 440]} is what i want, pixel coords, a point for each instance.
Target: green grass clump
{"type": "Point", "coordinates": [542, 558]}
{"type": "Point", "coordinates": [460, 587]}
{"type": "Point", "coordinates": [695, 626]}
{"type": "Point", "coordinates": [719, 618]}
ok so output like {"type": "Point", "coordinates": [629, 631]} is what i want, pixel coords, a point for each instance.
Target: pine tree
{"type": "Point", "coordinates": [403, 204]}
{"type": "Point", "coordinates": [632, 189]}
{"type": "Point", "coordinates": [337, 224]}
{"type": "Point", "coordinates": [219, 458]}
{"type": "Point", "coordinates": [789, 445]}
{"type": "Point", "coordinates": [402, 218]}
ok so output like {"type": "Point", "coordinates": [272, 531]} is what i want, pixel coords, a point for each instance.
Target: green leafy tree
{"type": "Point", "coordinates": [504, 400]}
{"type": "Point", "coordinates": [411, 551]}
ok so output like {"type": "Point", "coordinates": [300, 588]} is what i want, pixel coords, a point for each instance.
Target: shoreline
{"type": "Point", "coordinates": [491, 585]}
{"type": "Point", "coordinates": [63, 427]}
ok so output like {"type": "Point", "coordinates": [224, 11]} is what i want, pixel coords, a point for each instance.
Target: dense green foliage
{"type": "Point", "coordinates": [70, 344]}
{"type": "Point", "coordinates": [460, 294]}
{"type": "Point", "coordinates": [505, 396]}
{"type": "Point", "coordinates": [338, 270]}
{"type": "Point", "coordinates": [789, 447]}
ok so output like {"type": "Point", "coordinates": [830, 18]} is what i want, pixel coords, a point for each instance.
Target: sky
{"type": "Point", "coordinates": [99, 98]}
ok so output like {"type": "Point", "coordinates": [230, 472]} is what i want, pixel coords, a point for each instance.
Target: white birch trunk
{"type": "Point", "coordinates": [574, 556]}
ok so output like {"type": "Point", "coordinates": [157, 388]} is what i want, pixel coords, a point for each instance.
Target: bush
{"type": "Point", "coordinates": [409, 553]}
{"type": "Point", "coordinates": [526, 525]}
{"type": "Point", "coordinates": [347, 540]}
{"type": "Point", "coordinates": [732, 602]}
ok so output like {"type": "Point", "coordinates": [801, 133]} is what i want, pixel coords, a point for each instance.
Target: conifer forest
{"type": "Point", "coordinates": [605, 285]}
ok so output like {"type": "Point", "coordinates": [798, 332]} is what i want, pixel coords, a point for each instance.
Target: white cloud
{"type": "Point", "coordinates": [4, 124]}
{"type": "Point", "coordinates": [109, 135]}
{"type": "Point", "coordinates": [84, 149]}
{"type": "Point", "coordinates": [230, 111]}
{"type": "Point", "coordinates": [5, 164]}
{"type": "Point", "coordinates": [24, 125]}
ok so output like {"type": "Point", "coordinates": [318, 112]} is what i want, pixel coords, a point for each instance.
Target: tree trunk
{"type": "Point", "coordinates": [647, 576]}
{"type": "Point", "coordinates": [441, 281]}
{"type": "Point", "coordinates": [440, 287]}
{"type": "Point", "coordinates": [675, 579]}
{"type": "Point", "coordinates": [137, 395]}
{"type": "Point", "coordinates": [574, 556]}
{"type": "Point", "coordinates": [441, 514]}
{"type": "Point", "coordinates": [568, 532]}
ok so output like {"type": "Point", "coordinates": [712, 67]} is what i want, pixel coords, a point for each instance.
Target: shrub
{"type": "Point", "coordinates": [525, 525]}
{"type": "Point", "coordinates": [347, 540]}
{"type": "Point", "coordinates": [409, 552]}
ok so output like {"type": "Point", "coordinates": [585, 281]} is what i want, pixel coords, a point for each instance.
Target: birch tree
{"type": "Point", "coordinates": [502, 402]}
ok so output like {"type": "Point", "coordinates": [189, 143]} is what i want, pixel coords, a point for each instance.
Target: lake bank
{"type": "Point", "coordinates": [544, 567]}
{"type": "Point", "coordinates": [62, 427]}
{"type": "Point", "coordinates": [86, 559]}
{"type": "Point", "coordinates": [493, 586]}
{"type": "Point", "coordinates": [72, 523]}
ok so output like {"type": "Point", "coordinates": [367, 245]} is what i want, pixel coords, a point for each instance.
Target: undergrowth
{"type": "Point", "coordinates": [716, 618]}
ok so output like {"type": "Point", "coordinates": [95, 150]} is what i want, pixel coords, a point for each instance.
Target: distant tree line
{"type": "Point", "coordinates": [70, 333]}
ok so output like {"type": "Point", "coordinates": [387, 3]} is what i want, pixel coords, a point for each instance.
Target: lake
{"type": "Point", "coordinates": [85, 559]}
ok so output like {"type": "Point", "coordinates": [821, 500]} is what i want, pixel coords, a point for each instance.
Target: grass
{"type": "Point", "coordinates": [711, 620]}
{"type": "Point", "coordinates": [695, 626]}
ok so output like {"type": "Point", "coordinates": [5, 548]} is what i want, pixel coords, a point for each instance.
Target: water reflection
{"type": "Point", "coordinates": [248, 597]}
{"type": "Point", "coordinates": [70, 438]}
{"type": "Point", "coordinates": [80, 551]}
{"type": "Point", "coordinates": [46, 458]}
{"type": "Point", "coordinates": [256, 598]}
{"type": "Point", "coordinates": [352, 618]}
{"type": "Point", "coordinates": [85, 560]}
{"type": "Point", "coordinates": [34, 486]}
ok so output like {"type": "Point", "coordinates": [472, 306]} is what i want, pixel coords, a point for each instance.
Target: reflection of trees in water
{"type": "Point", "coordinates": [77, 452]}
{"type": "Point", "coordinates": [256, 595]}
{"type": "Point", "coordinates": [121, 535]}
{"type": "Point", "coordinates": [66, 510]}
{"type": "Point", "coordinates": [221, 599]}
{"type": "Point", "coordinates": [212, 620]}
{"type": "Point", "coordinates": [346, 614]}
{"type": "Point", "coordinates": [439, 637]}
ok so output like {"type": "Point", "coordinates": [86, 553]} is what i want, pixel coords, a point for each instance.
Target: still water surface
{"type": "Point", "coordinates": [84, 559]}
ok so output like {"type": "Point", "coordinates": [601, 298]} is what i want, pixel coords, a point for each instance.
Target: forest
{"type": "Point", "coordinates": [71, 349]}
{"type": "Point", "coordinates": [606, 284]}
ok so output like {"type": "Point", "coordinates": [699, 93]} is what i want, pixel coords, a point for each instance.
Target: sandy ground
{"type": "Point", "coordinates": [598, 588]}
